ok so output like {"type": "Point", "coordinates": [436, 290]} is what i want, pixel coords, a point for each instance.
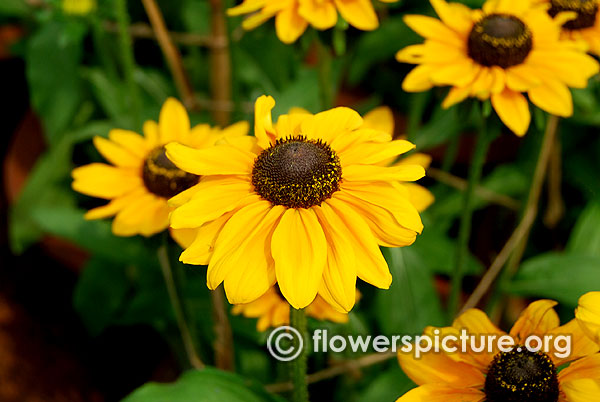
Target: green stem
{"type": "Point", "coordinates": [299, 365]}
{"type": "Point", "coordinates": [128, 59]}
{"type": "Point", "coordinates": [464, 234]}
{"type": "Point", "coordinates": [325, 67]}
{"type": "Point", "coordinates": [176, 302]}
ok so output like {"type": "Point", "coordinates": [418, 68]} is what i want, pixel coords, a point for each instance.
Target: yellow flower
{"type": "Point", "coordinates": [78, 7]}
{"type": "Point", "coordinates": [517, 375]}
{"type": "Point", "coordinates": [140, 179]}
{"type": "Point", "coordinates": [304, 203]}
{"type": "Point", "coordinates": [588, 314]}
{"type": "Point", "coordinates": [585, 24]}
{"type": "Point", "coordinates": [499, 52]}
{"type": "Point", "coordinates": [293, 16]}
{"type": "Point", "coordinates": [272, 310]}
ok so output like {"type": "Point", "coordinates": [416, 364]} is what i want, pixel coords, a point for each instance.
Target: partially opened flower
{"type": "Point", "coordinates": [140, 179]}
{"type": "Point", "coordinates": [509, 48]}
{"type": "Point", "coordinates": [588, 314]}
{"type": "Point", "coordinates": [293, 16]}
{"type": "Point", "coordinates": [272, 310]}
{"type": "Point", "coordinates": [304, 204]}
{"type": "Point", "coordinates": [558, 374]}
{"type": "Point", "coordinates": [585, 24]}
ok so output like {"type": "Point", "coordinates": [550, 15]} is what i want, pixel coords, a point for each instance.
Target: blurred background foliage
{"type": "Point", "coordinates": [76, 88]}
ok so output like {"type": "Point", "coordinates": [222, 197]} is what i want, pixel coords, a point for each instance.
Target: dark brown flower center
{"type": "Point", "coordinates": [586, 11]}
{"type": "Point", "coordinates": [297, 172]}
{"type": "Point", "coordinates": [519, 376]}
{"type": "Point", "coordinates": [500, 40]}
{"type": "Point", "coordinates": [163, 178]}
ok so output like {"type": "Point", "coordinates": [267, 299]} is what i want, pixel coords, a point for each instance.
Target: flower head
{"type": "Point", "coordinates": [305, 203]}
{"type": "Point", "coordinates": [293, 16]}
{"type": "Point", "coordinates": [584, 23]}
{"type": "Point", "coordinates": [272, 310]}
{"type": "Point", "coordinates": [588, 314]}
{"type": "Point", "coordinates": [509, 48]}
{"type": "Point", "coordinates": [481, 373]}
{"type": "Point", "coordinates": [140, 179]}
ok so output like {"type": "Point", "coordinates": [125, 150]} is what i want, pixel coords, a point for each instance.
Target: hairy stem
{"type": "Point", "coordinates": [299, 365]}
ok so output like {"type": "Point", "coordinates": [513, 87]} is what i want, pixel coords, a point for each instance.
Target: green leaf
{"type": "Point", "coordinates": [208, 385]}
{"type": "Point", "coordinates": [562, 277]}
{"type": "Point", "coordinates": [99, 293]}
{"type": "Point", "coordinates": [411, 303]}
{"type": "Point", "coordinates": [585, 237]}
{"type": "Point", "coordinates": [45, 186]}
{"type": "Point", "coordinates": [388, 386]}
{"type": "Point", "coordinates": [14, 8]}
{"type": "Point", "coordinates": [53, 56]}
{"type": "Point", "coordinates": [94, 236]}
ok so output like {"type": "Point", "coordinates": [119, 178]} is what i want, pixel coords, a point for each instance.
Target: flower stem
{"type": "Point", "coordinates": [128, 59]}
{"type": "Point", "coordinates": [533, 198]}
{"type": "Point", "coordinates": [299, 365]}
{"type": "Point", "coordinates": [220, 62]}
{"type": "Point", "coordinates": [464, 234]}
{"type": "Point", "coordinates": [325, 67]}
{"type": "Point", "coordinates": [186, 336]}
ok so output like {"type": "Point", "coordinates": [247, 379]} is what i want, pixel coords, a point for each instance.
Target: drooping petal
{"type": "Point", "coordinates": [579, 344]}
{"type": "Point", "coordinates": [359, 13]}
{"type": "Point", "coordinates": [116, 154]}
{"type": "Point", "coordinates": [588, 314]}
{"type": "Point", "coordinates": [299, 248]}
{"type": "Point", "coordinates": [554, 97]}
{"type": "Point", "coordinates": [105, 181]}
{"type": "Point", "coordinates": [290, 25]}
{"type": "Point", "coordinates": [513, 110]}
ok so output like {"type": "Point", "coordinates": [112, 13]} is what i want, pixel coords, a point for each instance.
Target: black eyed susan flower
{"type": "Point", "coordinates": [509, 48]}
{"type": "Point", "coordinates": [140, 179]}
{"type": "Point", "coordinates": [293, 16]}
{"type": "Point", "coordinates": [304, 203]}
{"type": "Point", "coordinates": [514, 376]}
{"type": "Point", "coordinates": [588, 314]}
{"type": "Point", "coordinates": [584, 24]}
{"type": "Point", "coordinates": [272, 310]}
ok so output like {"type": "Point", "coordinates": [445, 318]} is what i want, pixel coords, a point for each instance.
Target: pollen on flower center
{"type": "Point", "coordinates": [521, 376]}
{"type": "Point", "coordinates": [162, 177]}
{"type": "Point", "coordinates": [586, 11]}
{"type": "Point", "coordinates": [500, 40]}
{"type": "Point", "coordinates": [297, 172]}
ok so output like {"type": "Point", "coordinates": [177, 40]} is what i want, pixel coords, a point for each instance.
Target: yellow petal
{"type": "Point", "coordinates": [150, 130]}
{"type": "Point", "coordinates": [253, 268]}
{"type": "Point", "coordinates": [263, 122]}
{"type": "Point", "coordinates": [588, 314]}
{"type": "Point", "coordinates": [231, 237]}
{"type": "Point", "coordinates": [581, 345]}
{"type": "Point", "coordinates": [586, 368]}
{"type": "Point", "coordinates": [373, 153]}
{"type": "Point", "coordinates": [585, 390]}
{"type": "Point", "coordinates": [133, 219]}
{"type": "Point", "coordinates": [369, 173]}
{"type": "Point", "coordinates": [340, 271]}
{"type": "Point", "coordinates": [300, 252]}
{"type": "Point", "coordinates": [513, 110]}
{"type": "Point", "coordinates": [173, 121]}
{"type": "Point", "coordinates": [217, 160]}
{"type": "Point", "coordinates": [371, 267]}
{"type": "Point", "coordinates": [442, 393]}
{"type": "Point", "coordinates": [440, 368]}
{"type": "Point", "coordinates": [247, 6]}
{"type": "Point", "coordinates": [320, 13]}
{"type": "Point", "coordinates": [359, 13]}
{"type": "Point", "coordinates": [537, 319]}
{"type": "Point", "coordinates": [105, 181]}
{"type": "Point", "coordinates": [116, 154]}
{"type": "Point", "coordinates": [114, 206]}
{"type": "Point", "coordinates": [381, 118]}
{"type": "Point", "coordinates": [419, 196]}
{"type": "Point", "coordinates": [554, 97]}
{"type": "Point", "coordinates": [131, 141]}
{"type": "Point", "coordinates": [184, 237]}
{"type": "Point", "coordinates": [210, 203]}
{"type": "Point", "coordinates": [455, 15]}
{"type": "Point", "coordinates": [419, 79]}
{"type": "Point", "coordinates": [432, 28]}
{"type": "Point", "coordinates": [289, 25]}
{"type": "Point", "coordinates": [201, 249]}
{"type": "Point", "coordinates": [332, 123]}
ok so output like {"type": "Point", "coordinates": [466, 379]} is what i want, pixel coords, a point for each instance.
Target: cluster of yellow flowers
{"type": "Point", "coordinates": [292, 17]}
